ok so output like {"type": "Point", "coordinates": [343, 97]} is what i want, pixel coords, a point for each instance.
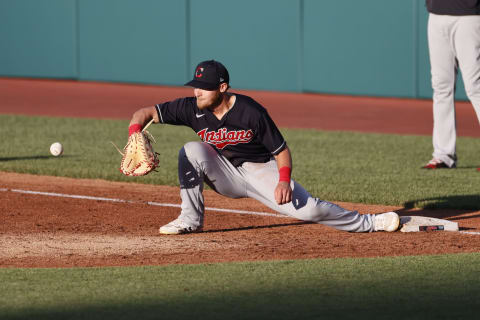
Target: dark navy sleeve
{"type": "Point", "coordinates": [177, 112]}
{"type": "Point", "coordinates": [269, 135]}
{"type": "Point", "coordinates": [454, 7]}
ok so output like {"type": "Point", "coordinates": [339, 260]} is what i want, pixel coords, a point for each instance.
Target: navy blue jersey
{"type": "Point", "coordinates": [246, 133]}
{"type": "Point", "coordinates": [454, 7]}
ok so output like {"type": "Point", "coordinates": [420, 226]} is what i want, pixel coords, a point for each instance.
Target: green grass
{"type": "Point", "coordinates": [423, 287]}
{"type": "Point", "coordinates": [335, 166]}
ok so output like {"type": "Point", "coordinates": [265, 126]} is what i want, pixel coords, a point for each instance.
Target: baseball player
{"type": "Point", "coordinates": [454, 43]}
{"type": "Point", "coordinates": [241, 154]}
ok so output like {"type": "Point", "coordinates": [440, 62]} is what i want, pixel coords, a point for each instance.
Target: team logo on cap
{"type": "Point", "coordinates": [199, 72]}
{"type": "Point", "coordinates": [222, 138]}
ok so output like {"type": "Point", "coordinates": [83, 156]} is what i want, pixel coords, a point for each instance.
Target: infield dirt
{"type": "Point", "coordinates": [47, 231]}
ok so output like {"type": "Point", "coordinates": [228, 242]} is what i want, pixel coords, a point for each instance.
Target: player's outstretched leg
{"type": "Point", "coordinates": [308, 208]}
{"type": "Point", "coordinates": [263, 177]}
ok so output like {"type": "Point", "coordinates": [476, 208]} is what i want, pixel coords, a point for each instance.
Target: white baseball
{"type": "Point", "coordinates": [56, 149]}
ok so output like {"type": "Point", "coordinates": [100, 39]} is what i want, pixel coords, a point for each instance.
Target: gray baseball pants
{"type": "Point", "coordinates": [198, 162]}
{"type": "Point", "coordinates": [454, 43]}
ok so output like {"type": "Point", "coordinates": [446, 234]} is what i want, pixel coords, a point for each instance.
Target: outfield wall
{"type": "Point", "coordinates": [371, 47]}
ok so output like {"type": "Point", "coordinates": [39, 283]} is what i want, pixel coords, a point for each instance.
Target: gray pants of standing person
{"type": "Point", "coordinates": [454, 43]}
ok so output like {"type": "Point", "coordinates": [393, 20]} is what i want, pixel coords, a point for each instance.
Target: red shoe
{"type": "Point", "coordinates": [436, 164]}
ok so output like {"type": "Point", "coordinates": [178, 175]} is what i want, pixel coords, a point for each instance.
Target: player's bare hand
{"type": "Point", "coordinates": [283, 192]}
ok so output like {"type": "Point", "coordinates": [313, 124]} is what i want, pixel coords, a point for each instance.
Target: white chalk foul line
{"type": "Point", "coordinates": [151, 203]}
{"type": "Point", "coordinates": [470, 232]}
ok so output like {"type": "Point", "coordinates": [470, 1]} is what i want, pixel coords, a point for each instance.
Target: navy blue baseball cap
{"type": "Point", "coordinates": [209, 75]}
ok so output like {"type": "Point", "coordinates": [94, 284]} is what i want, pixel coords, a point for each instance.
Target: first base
{"type": "Point", "coordinates": [417, 224]}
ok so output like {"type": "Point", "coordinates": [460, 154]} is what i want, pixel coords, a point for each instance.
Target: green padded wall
{"type": "Point", "coordinates": [374, 47]}
{"type": "Point", "coordinates": [424, 88]}
{"type": "Point", "coordinates": [360, 47]}
{"type": "Point", "coordinates": [258, 41]}
{"type": "Point", "coordinates": [134, 41]}
{"type": "Point", "coordinates": [38, 38]}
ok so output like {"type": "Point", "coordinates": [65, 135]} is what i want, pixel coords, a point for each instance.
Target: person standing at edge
{"type": "Point", "coordinates": [454, 43]}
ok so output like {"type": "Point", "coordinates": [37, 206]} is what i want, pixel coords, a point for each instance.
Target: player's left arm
{"type": "Point", "coordinates": [141, 117]}
{"type": "Point", "coordinates": [283, 191]}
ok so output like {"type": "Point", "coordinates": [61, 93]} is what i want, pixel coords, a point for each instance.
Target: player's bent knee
{"type": "Point", "coordinates": [196, 151]}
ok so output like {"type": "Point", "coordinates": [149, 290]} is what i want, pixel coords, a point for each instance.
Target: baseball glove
{"type": "Point", "coordinates": [138, 156]}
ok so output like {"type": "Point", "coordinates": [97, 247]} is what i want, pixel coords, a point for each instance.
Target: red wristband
{"type": "Point", "coordinates": [134, 128]}
{"type": "Point", "coordinates": [284, 174]}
